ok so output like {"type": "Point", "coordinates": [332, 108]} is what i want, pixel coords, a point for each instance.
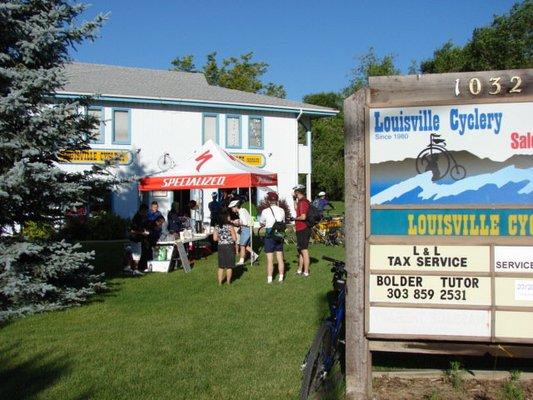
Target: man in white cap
{"type": "Point", "coordinates": [321, 203]}
{"type": "Point", "coordinates": [244, 222]}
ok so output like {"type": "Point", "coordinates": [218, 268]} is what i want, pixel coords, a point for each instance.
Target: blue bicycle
{"type": "Point", "coordinates": [330, 336]}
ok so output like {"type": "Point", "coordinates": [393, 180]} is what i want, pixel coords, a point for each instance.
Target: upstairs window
{"type": "Point", "coordinates": [121, 126]}
{"type": "Point", "coordinates": [98, 133]}
{"type": "Point", "coordinates": [210, 128]}
{"type": "Point", "coordinates": [255, 132]}
{"type": "Point", "coordinates": [233, 131]}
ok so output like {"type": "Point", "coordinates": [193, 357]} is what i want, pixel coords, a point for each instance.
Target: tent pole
{"type": "Point", "coordinates": [252, 227]}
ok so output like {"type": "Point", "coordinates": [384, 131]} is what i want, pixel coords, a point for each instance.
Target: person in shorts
{"type": "Point", "coordinates": [303, 231]}
{"type": "Point", "coordinates": [244, 222]}
{"type": "Point", "coordinates": [226, 237]}
{"type": "Point", "coordinates": [268, 217]}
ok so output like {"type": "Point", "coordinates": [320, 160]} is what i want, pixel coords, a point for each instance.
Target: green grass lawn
{"type": "Point", "coordinates": [172, 336]}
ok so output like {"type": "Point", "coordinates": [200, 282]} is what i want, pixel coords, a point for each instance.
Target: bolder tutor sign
{"type": "Point", "coordinates": [450, 222]}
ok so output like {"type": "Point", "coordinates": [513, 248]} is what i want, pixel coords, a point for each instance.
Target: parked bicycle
{"type": "Point", "coordinates": [329, 231]}
{"type": "Point", "coordinates": [437, 159]}
{"type": "Point", "coordinates": [324, 351]}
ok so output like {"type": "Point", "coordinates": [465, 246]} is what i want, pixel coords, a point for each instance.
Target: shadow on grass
{"type": "Point", "coordinates": [26, 379]}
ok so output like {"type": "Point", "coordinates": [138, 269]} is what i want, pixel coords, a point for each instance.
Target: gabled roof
{"type": "Point", "coordinates": [110, 82]}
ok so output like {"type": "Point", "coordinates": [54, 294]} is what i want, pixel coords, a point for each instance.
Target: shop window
{"type": "Point", "coordinates": [210, 128]}
{"type": "Point", "coordinates": [233, 131]}
{"type": "Point", "coordinates": [255, 132]}
{"type": "Point", "coordinates": [121, 126]}
{"type": "Point", "coordinates": [98, 133]}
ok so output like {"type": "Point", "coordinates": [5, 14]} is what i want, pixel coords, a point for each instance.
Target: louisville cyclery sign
{"type": "Point", "coordinates": [478, 154]}
{"type": "Point", "coordinates": [94, 156]}
{"type": "Point", "coordinates": [449, 252]}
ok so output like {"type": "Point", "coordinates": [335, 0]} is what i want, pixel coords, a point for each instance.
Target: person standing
{"type": "Point", "coordinates": [269, 216]}
{"type": "Point", "coordinates": [244, 222]}
{"type": "Point", "coordinates": [303, 231]}
{"type": "Point", "coordinates": [138, 233]}
{"type": "Point", "coordinates": [214, 208]}
{"type": "Point", "coordinates": [226, 237]}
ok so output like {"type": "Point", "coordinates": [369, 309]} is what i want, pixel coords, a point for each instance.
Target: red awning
{"type": "Point", "coordinates": [209, 167]}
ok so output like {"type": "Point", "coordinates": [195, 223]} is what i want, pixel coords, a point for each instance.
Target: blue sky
{"type": "Point", "coordinates": [311, 46]}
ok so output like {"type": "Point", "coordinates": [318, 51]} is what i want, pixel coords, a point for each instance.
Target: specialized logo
{"type": "Point", "coordinates": [187, 181]}
{"type": "Point", "coordinates": [202, 159]}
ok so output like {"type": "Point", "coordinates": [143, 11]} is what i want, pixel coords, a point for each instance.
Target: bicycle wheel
{"type": "Point", "coordinates": [434, 159]}
{"type": "Point", "coordinates": [314, 370]}
{"type": "Point", "coordinates": [457, 172]}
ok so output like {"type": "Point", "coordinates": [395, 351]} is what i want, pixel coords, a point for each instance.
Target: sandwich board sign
{"type": "Point", "coordinates": [439, 194]}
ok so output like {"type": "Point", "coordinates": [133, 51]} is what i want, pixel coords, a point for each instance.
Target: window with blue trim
{"type": "Point", "coordinates": [255, 132]}
{"type": "Point", "coordinates": [210, 127]}
{"type": "Point", "coordinates": [97, 134]}
{"type": "Point", "coordinates": [121, 126]}
{"type": "Point", "coordinates": [233, 131]}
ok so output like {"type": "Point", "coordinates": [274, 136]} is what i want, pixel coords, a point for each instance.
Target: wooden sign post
{"type": "Point", "coordinates": [439, 218]}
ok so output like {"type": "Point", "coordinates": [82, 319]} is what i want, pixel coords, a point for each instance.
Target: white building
{"type": "Point", "coordinates": [156, 117]}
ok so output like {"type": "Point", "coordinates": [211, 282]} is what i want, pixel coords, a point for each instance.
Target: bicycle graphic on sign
{"type": "Point", "coordinates": [437, 159]}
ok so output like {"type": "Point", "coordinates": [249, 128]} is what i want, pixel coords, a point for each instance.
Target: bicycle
{"type": "Point", "coordinates": [322, 355]}
{"type": "Point", "coordinates": [437, 159]}
{"type": "Point", "coordinates": [328, 231]}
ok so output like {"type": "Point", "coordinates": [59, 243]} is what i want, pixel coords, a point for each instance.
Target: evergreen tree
{"type": "Point", "coordinates": [35, 39]}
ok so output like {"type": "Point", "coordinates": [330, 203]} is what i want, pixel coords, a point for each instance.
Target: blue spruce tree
{"type": "Point", "coordinates": [36, 37]}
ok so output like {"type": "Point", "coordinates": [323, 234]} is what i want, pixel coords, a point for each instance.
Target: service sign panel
{"type": "Point", "coordinates": [459, 178]}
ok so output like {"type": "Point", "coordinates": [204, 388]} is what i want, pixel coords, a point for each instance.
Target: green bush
{"type": "Point", "coordinates": [107, 226]}
{"type": "Point", "coordinates": [38, 231]}
{"type": "Point", "coordinates": [511, 389]}
{"type": "Point", "coordinates": [99, 226]}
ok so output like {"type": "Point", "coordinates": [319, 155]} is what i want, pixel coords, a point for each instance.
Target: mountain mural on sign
{"type": "Point", "coordinates": [487, 182]}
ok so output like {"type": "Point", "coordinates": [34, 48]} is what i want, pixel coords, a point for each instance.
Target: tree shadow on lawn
{"type": "Point", "coordinates": [26, 379]}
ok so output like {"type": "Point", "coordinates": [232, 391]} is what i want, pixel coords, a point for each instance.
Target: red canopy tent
{"type": "Point", "coordinates": [210, 167]}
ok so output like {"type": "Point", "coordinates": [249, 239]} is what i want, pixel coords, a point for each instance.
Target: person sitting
{"type": "Point", "coordinates": [154, 211]}
{"type": "Point", "coordinates": [138, 233]}
{"type": "Point", "coordinates": [174, 221]}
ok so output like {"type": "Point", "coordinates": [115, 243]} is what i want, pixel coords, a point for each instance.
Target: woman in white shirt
{"type": "Point", "coordinates": [268, 217]}
{"type": "Point", "coordinates": [245, 224]}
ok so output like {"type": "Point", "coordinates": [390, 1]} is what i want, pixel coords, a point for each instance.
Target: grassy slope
{"type": "Point", "coordinates": [171, 336]}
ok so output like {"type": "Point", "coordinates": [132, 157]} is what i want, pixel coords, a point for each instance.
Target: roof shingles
{"type": "Point", "coordinates": [110, 80]}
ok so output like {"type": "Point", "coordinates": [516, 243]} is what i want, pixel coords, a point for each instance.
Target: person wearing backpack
{"type": "Point", "coordinates": [273, 219]}
{"type": "Point", "coordinates": [303, 230]}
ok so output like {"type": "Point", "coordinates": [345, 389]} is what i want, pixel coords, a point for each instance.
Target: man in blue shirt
{"type": "Point", "coordinates": [321, 203]}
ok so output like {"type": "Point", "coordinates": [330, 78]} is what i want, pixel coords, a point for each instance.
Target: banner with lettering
{"type": "Point", "coordinates": [464, 154]}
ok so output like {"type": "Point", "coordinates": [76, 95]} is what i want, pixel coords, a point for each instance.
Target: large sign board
{"type": "Point", "coordinates": [449, 184]}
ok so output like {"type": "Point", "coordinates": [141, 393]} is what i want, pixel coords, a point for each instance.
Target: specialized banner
{"type": "Point", "coordinates": [206, 181]}
{"type": "Point", "coordinates": [463, 154]}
